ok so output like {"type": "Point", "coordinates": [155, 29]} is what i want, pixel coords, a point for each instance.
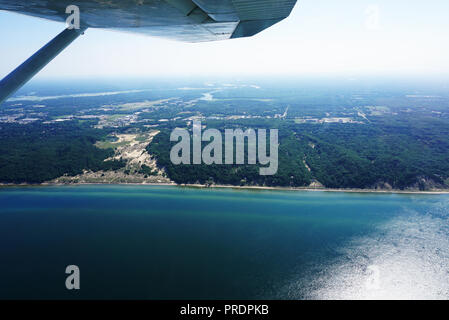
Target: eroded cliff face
{"type": "Point", "coordinates": [422, 184]}
{"type": "Point", "coordinates": [130, 148]}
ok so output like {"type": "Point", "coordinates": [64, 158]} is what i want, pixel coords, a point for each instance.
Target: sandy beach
{"type": "Point", "coordinates": [199, 186]}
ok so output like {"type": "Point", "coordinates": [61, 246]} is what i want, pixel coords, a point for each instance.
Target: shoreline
{"type": "Point", "coordinates": [199, 186]}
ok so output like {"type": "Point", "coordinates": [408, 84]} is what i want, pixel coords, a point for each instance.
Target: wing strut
{"type": "Point", "coordinates": [23, 73]}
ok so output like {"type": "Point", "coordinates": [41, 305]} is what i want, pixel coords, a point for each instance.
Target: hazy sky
{"type": "Point", "coordinates": [321, 36]}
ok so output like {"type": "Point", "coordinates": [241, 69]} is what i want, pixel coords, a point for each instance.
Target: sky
{"type": "Point", "coordinates": [351, 37]}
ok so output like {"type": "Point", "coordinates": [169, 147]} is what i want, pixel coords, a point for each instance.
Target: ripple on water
{"type": "Point", "coordinates": [407, 258]}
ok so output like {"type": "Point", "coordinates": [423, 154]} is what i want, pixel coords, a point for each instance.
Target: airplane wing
{"type": "Point", "coordinates": [185, 20]}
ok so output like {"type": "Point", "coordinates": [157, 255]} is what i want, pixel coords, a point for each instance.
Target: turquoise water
{"type": "Point", "coordinates": [146, 242]}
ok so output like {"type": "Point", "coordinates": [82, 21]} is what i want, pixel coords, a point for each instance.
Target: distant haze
{"type": "Point", "coordinates": [352, 37]}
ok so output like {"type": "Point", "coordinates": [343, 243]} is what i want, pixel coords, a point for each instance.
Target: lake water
{"type": "Point", "coordinates": [153, 242]}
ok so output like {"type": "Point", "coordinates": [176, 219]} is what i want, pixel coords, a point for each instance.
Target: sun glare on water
{"type": "Point", "coordinates": [407, 258]}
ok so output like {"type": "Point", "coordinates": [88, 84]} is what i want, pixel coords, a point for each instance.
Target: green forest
{"type": "Point", "coordinates": [385, 154]}
{"type": "Point", "coordinates": [36, 153]}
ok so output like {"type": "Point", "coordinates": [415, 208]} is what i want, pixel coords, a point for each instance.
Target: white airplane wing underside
{"type": "Point", "coordinates": [185, 20]}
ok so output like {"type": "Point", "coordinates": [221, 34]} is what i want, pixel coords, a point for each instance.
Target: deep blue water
{"type": "Point", "coordinates": [146, 242]}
